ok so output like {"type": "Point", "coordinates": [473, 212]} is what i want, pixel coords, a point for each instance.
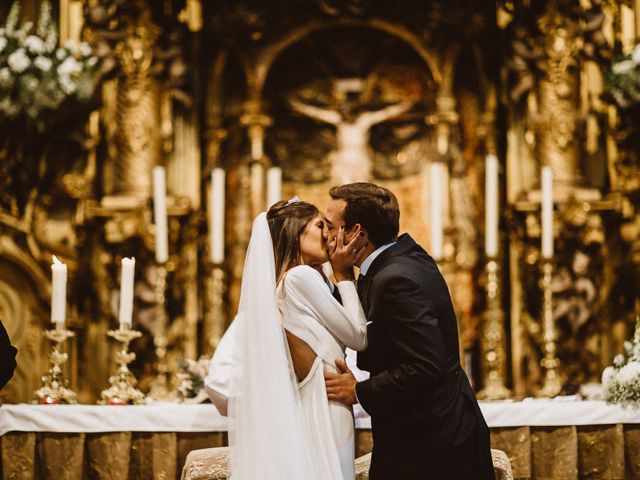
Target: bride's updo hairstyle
{"type": "Point", "coordinates": [287, 222]}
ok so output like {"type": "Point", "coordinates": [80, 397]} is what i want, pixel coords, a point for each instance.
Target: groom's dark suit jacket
{"type": "Point", "coordinates": [425, 419]}
{"type": "Point", "coordinates": [7, 357]}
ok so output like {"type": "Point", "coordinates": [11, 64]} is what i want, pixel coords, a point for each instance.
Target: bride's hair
{"type": "Point", "coordinates": [287, 221]}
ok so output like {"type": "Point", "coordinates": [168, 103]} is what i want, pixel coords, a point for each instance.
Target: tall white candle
{"type": "Point", "coordinates": [160, 214]}
{"type": "Point", "coordinates": [547, 212]}
{"type": "Point", "coordinates": [126, 291]}
{"type": "Point", "coordinates": [217, 213]}
{"type": "Point", "coordinates": [58, 291]}
{"type": "Point", "coordinates": [436, 209]}
{"type": "Point", "coordinates": [274, 185]}
{"type": "Point", "coordinates": [491, 196]}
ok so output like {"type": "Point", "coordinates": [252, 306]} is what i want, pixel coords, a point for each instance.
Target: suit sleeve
{"type": "Point", "coordinates": [405, 312]}
{"type": "Point", "coordinates": [7, 357]}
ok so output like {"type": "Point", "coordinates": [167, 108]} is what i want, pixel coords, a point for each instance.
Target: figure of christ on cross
{"type": "Point", "coordinates": [351, 161]}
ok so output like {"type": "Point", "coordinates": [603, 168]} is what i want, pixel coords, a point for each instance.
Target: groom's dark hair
{"type": "Point", "coordinates": [373, 207]}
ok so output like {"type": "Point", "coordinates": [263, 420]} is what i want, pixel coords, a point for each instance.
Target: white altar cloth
{"type": "Point", "coordinates": [168, 417]}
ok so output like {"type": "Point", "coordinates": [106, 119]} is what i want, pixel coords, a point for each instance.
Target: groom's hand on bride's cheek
{"type": "Point", "coordinates": [341, 386]}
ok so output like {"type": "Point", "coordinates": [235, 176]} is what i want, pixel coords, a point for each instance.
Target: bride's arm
{"type": "Point", "coordinates": [217, 382]}
{"type": "Point", "coordinates": [347, 321]}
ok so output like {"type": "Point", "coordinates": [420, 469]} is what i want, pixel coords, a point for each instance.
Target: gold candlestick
{"type": "Point", "coordinates": [214, 317]}
{"type": "Point", "coordinates": [161, 385]}
{"type": "Point", "coordinates": [123, 389]}
{"type": "Point", "coordinates": [552, 385]}
{"type": "Point", "coordinates": [493, 340]}
{"type": "Point", "coordinates": [55, 388]}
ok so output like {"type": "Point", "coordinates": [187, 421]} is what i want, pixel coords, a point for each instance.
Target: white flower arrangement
{"type": "Point", "coordinates": [191, 377]}
{"type": "Point", "coordinates": [621, 382]}
{"type": "Point", "coordinates": [623, 81]}
{"type": "Point", "coordinates": [36, 76]}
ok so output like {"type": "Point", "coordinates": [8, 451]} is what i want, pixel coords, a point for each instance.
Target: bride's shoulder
{"type": "Point", "coordinates": [303, 274]}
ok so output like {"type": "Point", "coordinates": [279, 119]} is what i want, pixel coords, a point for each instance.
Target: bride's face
{"type": "Point", "coordinates": [313, 243]}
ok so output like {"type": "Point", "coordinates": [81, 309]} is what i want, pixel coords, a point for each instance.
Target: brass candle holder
{"type": "Point", "coordinates": [493, 342]}
{"type": "Point", "coordinates": [552, 385]}
{"type": "Point", "coordinates": [214, 316]}
{"type": "Point", "coordinates": [123, 389]}
{"type": "Point", "coordinates": [161, 385]}
{"type": "Point", "coordinates": [55, 388]}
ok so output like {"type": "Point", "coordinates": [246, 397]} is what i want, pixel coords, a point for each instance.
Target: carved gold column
{"type": "Point", "coordinates": [558, 99]}
{"type": "Point", "coordinates": [71, 20]}
{"type": "Point", "coordinates": [443, 119]}
{"type": "Point", "coordinates": [138, 139]}
{"type": "Point", "coordinates": [256, 122]}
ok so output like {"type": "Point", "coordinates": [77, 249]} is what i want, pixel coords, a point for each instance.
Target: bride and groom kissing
{"type": "Point", "coordinates": [279, 373]}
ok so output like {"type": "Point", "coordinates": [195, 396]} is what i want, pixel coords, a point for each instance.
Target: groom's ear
{"type": "Point", "coordinates": [362, 232]}
{"type": "Point", "coordinates": [349, 236]}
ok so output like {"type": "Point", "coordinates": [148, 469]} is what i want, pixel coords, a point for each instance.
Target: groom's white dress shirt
{"type": "Point", "coordinates": [364, 266]}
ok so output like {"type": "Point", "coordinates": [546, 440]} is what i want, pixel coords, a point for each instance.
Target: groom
{"type": "Point", "coordinates": [425, 419]}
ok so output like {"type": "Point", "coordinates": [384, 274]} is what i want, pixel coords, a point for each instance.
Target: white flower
{"type": "Point", "coordinates": [34, 44]}
{"type": "Point", "coordinates": [92, 61]}
{"type": "Point", "coordinates": [3, 43]}
{"type": "Point", "coordinates": [69, 67]}
{"type": "Point", "coordinates": [618, 360]}
{"type": "Point", "coordinates": [85, 49]}
{"type": "Point", "coordinates": [67, 85]}
{"type": "Point", "coordinates": [608, 375]}
{"type": "Point", "coordinates": [71, 45]}
{"type": "Point", "coordinates": [629, 373]}
{"type": "Point", "coordinates": [623, 67]}
{"type": "Point", "coordinates": [635, 56]}
{"type": "Point", "coordinates": [43, 63]}
{"type": "Point", "coordinates": [61, 53]}
{"type": "Point", "coordinates": [18, 61]}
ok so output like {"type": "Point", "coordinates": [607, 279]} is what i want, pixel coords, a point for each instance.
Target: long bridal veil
{"type": "Point", "coordinates": [266, 428]}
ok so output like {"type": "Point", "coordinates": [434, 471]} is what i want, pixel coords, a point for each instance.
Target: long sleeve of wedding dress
{"type": "Point", "coordinates": [305, 289]}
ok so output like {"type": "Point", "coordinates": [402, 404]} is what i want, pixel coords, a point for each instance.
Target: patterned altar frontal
{"type": "Point", "coordinates": [140, 139]}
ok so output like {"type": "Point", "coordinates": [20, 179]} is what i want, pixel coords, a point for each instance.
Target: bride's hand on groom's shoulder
{"type": "Point", "coordinates": [341, 386]}
{"type": "Point", "coordinates": [343, 256]}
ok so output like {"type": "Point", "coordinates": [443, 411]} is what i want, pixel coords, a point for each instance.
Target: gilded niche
{"type": "Point", "coordinates": [353, 110]}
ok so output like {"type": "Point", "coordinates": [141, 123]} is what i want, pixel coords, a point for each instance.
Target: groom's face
{"type": "Point", "coordinates": [335, 219]}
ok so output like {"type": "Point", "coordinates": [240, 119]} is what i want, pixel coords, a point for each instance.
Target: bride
{"type": "Point", "coordinates": [289, 330]}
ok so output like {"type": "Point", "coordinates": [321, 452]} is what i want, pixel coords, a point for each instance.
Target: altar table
{"type": "Point", "coordinates": [545, 439]}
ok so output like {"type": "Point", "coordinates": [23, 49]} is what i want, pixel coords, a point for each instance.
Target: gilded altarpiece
{"type": "Point", "coordinates": [332, 92]}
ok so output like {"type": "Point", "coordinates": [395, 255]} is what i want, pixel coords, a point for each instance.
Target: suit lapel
{"type": "Point", "coordinates": [363, 290]}
{"type": "Point", "coordinates": [404, 244]}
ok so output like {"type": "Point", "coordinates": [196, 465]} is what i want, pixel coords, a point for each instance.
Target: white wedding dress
{"type": "Point", "coordinates": [279, 428]}
{"type": "Point", "coordinates": [311, 313]}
